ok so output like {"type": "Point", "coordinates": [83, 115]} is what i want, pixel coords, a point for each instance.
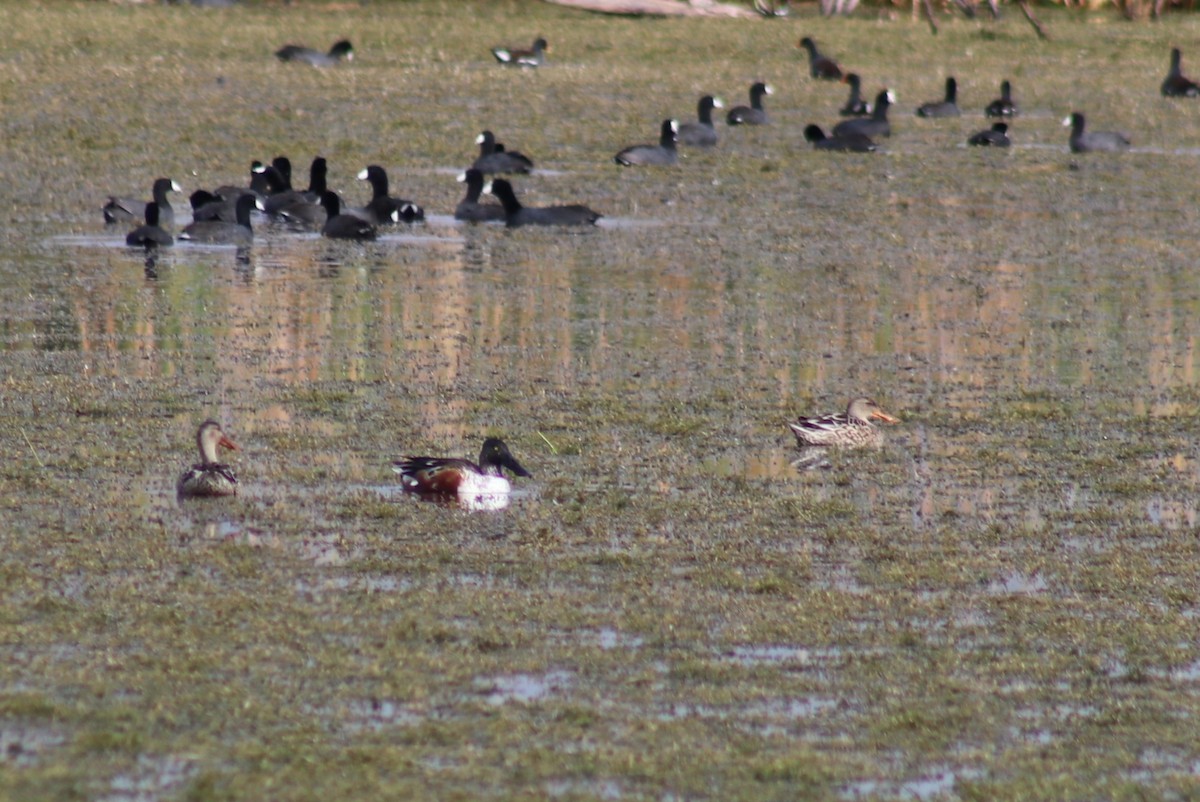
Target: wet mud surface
{"type": "Point", "coordinates": [999, 603]}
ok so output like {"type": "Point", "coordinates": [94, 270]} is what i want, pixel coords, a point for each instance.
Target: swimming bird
{"type": "Point", "coordinates": [1085, 141]}
{"type": "Point", "coordinates": [269, 179]}
{"type": "Point", "coordinates": [214, 206]}
{"type": "Point", "coordinates": [1002, 106]}
{"type": "Point", "coordinates": [219, 232]}
{"type": "Point", "coordinates": [494, 158]}
{"type": "Point", "coordinates": [469, 208]}
{"type": "Point", "coordinates": [947, 107]}
{"type": "Point", "coordinates": [754, 114]}
{"type": "Point", "coordinates": [818, 65]}
{"type": "Point", "coordinates": [318, 173]}
{"type": "Point", "coordinates": [701, 133]}
{"type": "Point", "coordinates": [996, 137]}
{"type": "Point", "coordinates": [664, 153]}
{"type": "Point", "coordinates": [850, 429]}
{"type": "Point", "coordinates": [850, 141]}
{"type": "Point", "coordinates": [516, 215]}
{"type": "Point", "coordinates": [345, 226]}
{"type": "Point", "coordinates": [296, 206]}
{"type": "Point", "coordinates": [340, 50]}
{"type": "Point", "coordinates": [119, 210]}
{"type": "Point", "coordinates": [149, 235]}
{"type": "Point", "coordinates": [1175, 85]}
{"type": "Point", "coordinates": [449, 476]}
{"type": "Point", "coordinates": [284, 165]}
{"type": "Point", "coordinates": [875, 125]}
{"type": "Point", "coordinates": [258, 181]}
{"type": "Point", "coordinates": [379, 210]}
{"type": "Point", "coordinates": [209, 477]}
{"type": "Point", "coordinates": [534, 56]}
{"type": "Point", "coordinates": [257, 184]}
{"type": "Point", "coordinates": [855, 105]}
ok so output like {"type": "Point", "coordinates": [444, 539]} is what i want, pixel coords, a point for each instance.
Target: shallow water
{"type": "Point", "coordinates": [669, 608]}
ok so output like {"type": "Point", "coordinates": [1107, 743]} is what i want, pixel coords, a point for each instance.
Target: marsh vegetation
{"type": "Point", "coordinates": [1001, 603]}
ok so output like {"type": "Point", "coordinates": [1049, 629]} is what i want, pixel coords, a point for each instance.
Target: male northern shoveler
{"type": "Point", "coordinates": [850, 429]}
{"type": "Point", "coordinates": [448, 476]}
{"type": "Point", "coordinates": [209, 477]}
{"type": "Point", "coordinates": [534, 56]}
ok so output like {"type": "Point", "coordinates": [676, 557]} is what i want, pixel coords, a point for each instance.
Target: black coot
{"type": "Point", "coordinates": [701, 133]}
{"type": "Point", "coordinates": [258, 181]}
{"type": "Point", "coordinates": [280, 196]}
{"type": "Point", "coordinates": [494, 158]}
{"type": "Point", "coordinates": [754, 114]}
{"type": "Point", "coordinates": [818, 65]}
{"type": "Point", "coordinates": [663, 153]}
{"type": "Point", "coordinates": [149, 235]}
{"type": "Point", "coordinates": [303, 208]}
{"type": "Point", "coordinates": [267, 180]}
{"type": "Point", "coordinates": [119, 210]}
{"type": "Point", "coordinates": [218, 232]}
{"type": "Point", "coordinates": [850, 141]}
{"type": "Point", "coordinates": [1175, 85]}
{"type": "Point", "coordinates": [340, 50]}
{"type": "Point", "coordinates": [875, 125]}
{"type": "Point", "coordinates": [469, 208]}
{"type": "Point", "coordinates": [219, 205]}
{"type": "Point", "coordinates": [344, 226]}
{"type": "Point", "coordinates": [1084, 141]}
{"type": "Point", "coordinates": [994, 137]}
{"type": "Point", "coordinates": [947, 107]}
{"type": "Point", "coordinates": [855, 105]}
{"type": "Point", "coordinates": [381, 207]}
{"type": "Point", "coordinates": [1002, 106]}
{"type": "Point", "coordinates": [516, 215]}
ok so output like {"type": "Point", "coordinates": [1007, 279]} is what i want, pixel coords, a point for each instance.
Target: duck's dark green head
{"type": "Point", "coordinates": [495, 455]}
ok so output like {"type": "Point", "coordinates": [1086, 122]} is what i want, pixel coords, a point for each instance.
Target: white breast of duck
{"type": "Point", "coordinates": [481, 483]}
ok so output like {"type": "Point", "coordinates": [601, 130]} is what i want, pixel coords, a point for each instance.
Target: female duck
{"type": "Point", "coordinates": [851, 429]}
{"type": "Point", "coordinates": [209, 477]}
{"type": "Point", "coordinates": [448, 476]}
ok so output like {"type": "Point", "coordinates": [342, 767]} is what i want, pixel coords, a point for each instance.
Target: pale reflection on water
{"type": "Point", "coordinates": [428, 316]}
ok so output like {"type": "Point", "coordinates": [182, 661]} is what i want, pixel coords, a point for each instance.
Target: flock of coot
{"type": "Point", "coordinates": [857, 134]}
{"type": "Point", "coordinates": [223, 216]}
